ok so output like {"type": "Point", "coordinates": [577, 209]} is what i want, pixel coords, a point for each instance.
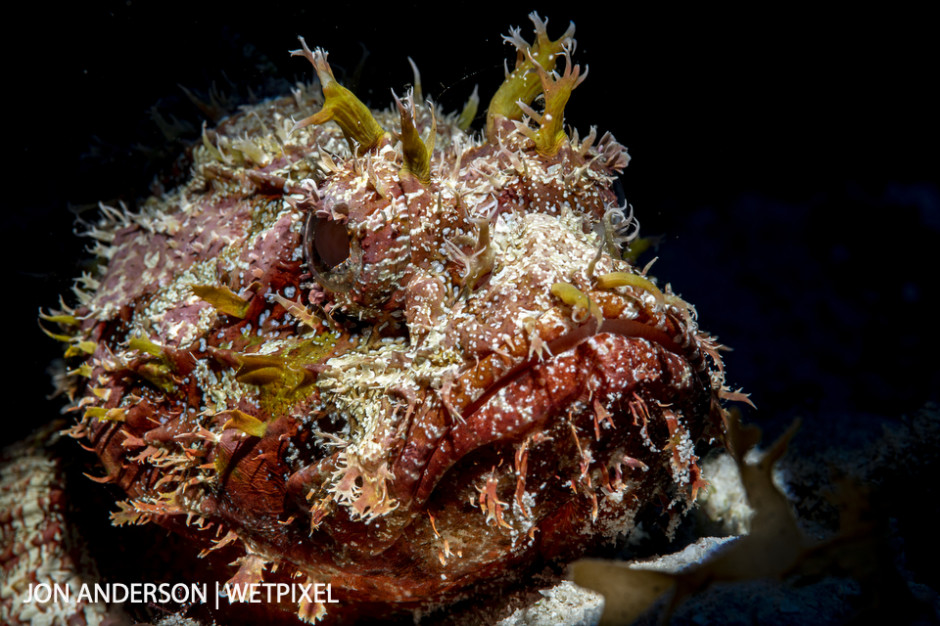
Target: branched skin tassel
{"type": "Point", "coordinates": [551, 134]}
{"type": "Point", "coordinates": [415, 369]}
{"type": "Point", "coordinates": [523, 84]}
{"type": "Point", "coordinates": [416, 154]}
{"type": "Point", "coordinates": [340, 105]}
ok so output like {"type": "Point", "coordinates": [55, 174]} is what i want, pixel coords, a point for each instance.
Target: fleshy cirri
{"type": "Point", "coordinates": [376, 350]}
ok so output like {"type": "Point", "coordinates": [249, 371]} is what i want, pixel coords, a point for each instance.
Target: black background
{"type": "Point", "coordinates": [787, 157]}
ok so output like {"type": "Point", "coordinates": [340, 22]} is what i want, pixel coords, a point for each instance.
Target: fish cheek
{"type": "Point", "coordinates": [424, 304]}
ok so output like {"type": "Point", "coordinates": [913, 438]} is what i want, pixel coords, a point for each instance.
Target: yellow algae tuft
{"type": "Point", "coordinates": [415, 152]}
{"type": "Point", "coordinates": [523, 83]}
{"type": "Point", "coordinates": [105, 415]}
{"type": "Point", "coordinates": [626, 279]}
{"type": "Point", "coordinates": [144, 345]}
{"type": "Point", "coordinates": [469, 110]}
{"type": "Point", "coordinates": [550, 135]}
{"type": "Point", "coordinates": [579, 301]}
{"type": "Point", "coordinates": [283, 378]}
{"type": "Point", "coordinates": [341, 105]}
{"type": "Point", "coordinates": [248, 424]}
{"type": "Point", "coordinates": [222, 299]}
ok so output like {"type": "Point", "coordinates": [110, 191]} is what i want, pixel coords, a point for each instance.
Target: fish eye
{"type": "Point", "coordinates": [332, 256]}
{"type": "Point", "coordinates": [330, 243]}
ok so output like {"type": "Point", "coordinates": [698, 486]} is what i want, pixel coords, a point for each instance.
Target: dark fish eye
{"type": "Point", "coordinates": [330, 242]}
{"type": "Point", "coordinates": [332, 256]}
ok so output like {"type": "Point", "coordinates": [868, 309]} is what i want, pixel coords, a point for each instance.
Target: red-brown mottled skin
{"type": "Point", "coordinates": [458, 427]}
{"type": "Point", "coordinates": [37, 544]}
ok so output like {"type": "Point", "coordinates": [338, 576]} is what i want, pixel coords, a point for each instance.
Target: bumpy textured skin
{"type": "Point", "coordinates": [37, 544]}
{"type": "Point", "coordinates": [324, 367]}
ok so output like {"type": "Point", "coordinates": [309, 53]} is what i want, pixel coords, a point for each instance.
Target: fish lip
{"type": "Point", "coordinates": [434, 468]}
{"type": "Point", "coordinates": [571, 340]}
{"type": "Point", "coordinates": [443, 455]}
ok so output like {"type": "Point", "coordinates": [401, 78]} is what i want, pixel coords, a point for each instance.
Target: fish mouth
{"type": "Point", "coordinates": [610, 357]}
{"type": "Point", "coordinates": [570, 341]}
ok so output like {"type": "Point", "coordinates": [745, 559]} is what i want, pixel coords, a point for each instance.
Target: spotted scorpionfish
{"type": "Point", "coordinates": [375, 350]}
